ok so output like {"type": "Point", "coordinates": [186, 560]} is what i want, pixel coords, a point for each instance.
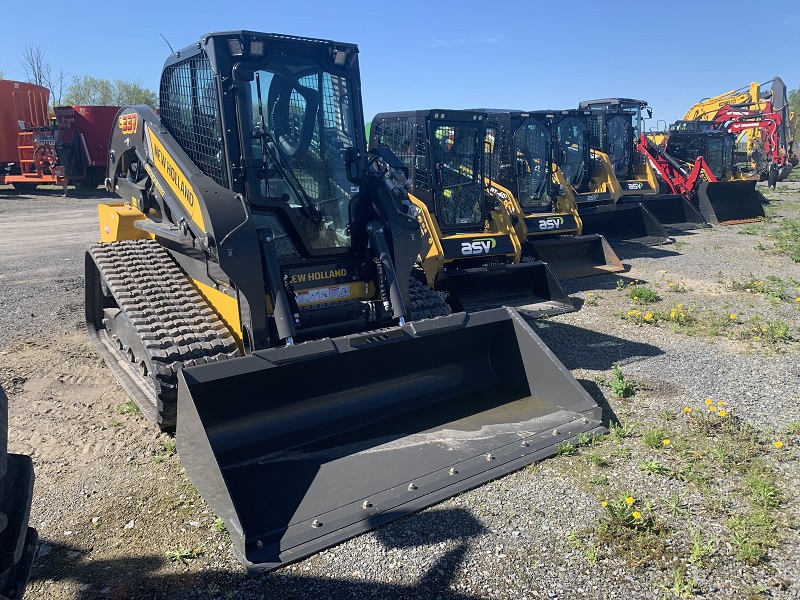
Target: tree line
{"type": "Point", "coordinates": [81, 90]}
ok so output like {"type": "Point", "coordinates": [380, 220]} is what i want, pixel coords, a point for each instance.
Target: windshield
{"type": "Point", "coordinates": [620, 143]}
{"type": "Point", "coordinates": [308, 114]}
{"type": "Point", "coordinates": [532, 141]}
{"type": "Point", "coordinates": [572, 144]}
{"type": "Point", "coordinates": [457, 151]}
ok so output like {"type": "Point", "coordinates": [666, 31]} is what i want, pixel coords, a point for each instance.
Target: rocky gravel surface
{"type": "Point", "coordinates": [118, 518]}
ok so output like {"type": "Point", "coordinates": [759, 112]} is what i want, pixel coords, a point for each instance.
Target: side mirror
{"type": "Point", "coordinates": [649, 112]}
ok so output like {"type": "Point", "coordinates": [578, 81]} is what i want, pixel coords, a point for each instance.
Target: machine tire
{"type": "Point", "coordinates": [425, 302]}
{"type": "Point", "coordinates": [24, 187]}
{"type": "Point", "coordinates": [17, 540]}
{"type": "Point", "coordinates": [90, 182]}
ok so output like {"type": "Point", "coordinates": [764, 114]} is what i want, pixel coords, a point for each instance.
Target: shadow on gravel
{"type": "Point", "coordinates": [55, 193]}
{"type": "Point", "coordinates": [136, 577]}
{"type": "Point", "coordinates": [580, 348]}
{"type": "Point", "coordinates": [628, 250]}
{"type": "Point", "coordinates": [609, 416]}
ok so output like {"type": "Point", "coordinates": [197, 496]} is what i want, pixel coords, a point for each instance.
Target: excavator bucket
{"type": "Point", "coordinates": [530, 287]}
{"type": "Point", "coordinates": [630, 222]}
{"type": "Point", "coordinates": [577, 256]}
{"type": "Point", "coordinates": [729, 202]}
{"type": "Point", "coordinates": [301, 447]}
{"type": "Point", "coordinates": [672, 210]}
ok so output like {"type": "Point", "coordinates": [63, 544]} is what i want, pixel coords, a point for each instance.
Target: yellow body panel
{"type": "Point", "coordinates": [603, 178]}
{"type": "Point", "coordinates": [116, 222]}
{"type": "Point", "coordinates": [226, 307]}
{"type": "Point", "coordinates": [175, 178]}
{"type": "Point", "coordinates": [645, 173]}
{"type": "Point", "coordinates": [432, 258]}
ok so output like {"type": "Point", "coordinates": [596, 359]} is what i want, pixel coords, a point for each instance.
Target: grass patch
{"type": "Point", "coordinates": [129, 408]}
{"type": "Point", "coordinates": [182, 554]}
{"type": "Point", "coordinates": [620, 387]}
{"type": "Point", "coordinates": [787, 239]}
{"type": "Point", "coordinates": [772, 287]}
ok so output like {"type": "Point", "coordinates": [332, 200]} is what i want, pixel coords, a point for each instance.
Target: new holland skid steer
{"type": "Point", "coordinates": [472, 247]}
{"type": "Point", "coordinates": [525, 179]}
{"type": "Point", "coordinates": [597, 190]}
{"type": "Point", "coordinates": [615, 127]}
{"type": "Point", "coordinates": [254, 290]}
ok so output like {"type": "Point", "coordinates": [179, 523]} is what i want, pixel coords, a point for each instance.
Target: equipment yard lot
{"type": "Point", "coordinates": [716, 499]}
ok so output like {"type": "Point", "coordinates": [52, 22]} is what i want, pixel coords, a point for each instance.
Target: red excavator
{"type": "Point", "coordinates": [698, 165]}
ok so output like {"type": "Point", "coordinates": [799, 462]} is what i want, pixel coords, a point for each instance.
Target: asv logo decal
{"type": "Point", "coordinates": [635, 185]}
{"type": "Point", "coordinates": [554, 223]}
{"type": "Point", "coordinates": [591, 197]}
{"type": "Point", "coordinates": [478, 247]}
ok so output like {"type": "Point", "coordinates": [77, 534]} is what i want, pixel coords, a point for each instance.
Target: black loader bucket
{"type": "Point", "coordinates": [302, 447]}
{"type": "Point", "coordinates": [630, 222]}
{"type": "Point", "coordinates": [729, 202]}
{"type": "Point", "coordinates": [529, 287]}
{"type": "Point", "coordinates": [672, 210]}
{"type": "Point", "coordinates": [576, 256]}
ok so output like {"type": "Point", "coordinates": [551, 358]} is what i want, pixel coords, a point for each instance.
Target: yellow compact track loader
{"type": "Point", "coordinates": [472, 248]}
{"type": "Point", "coordinates": [615, 128]}
{"type": "Point", "coordinates": [526, 181]}
{"type": "Point", "coordinates": [253, 290]}
{"type": "Point", "coordinates": [590, 175]}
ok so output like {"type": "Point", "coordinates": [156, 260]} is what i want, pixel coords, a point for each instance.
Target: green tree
{"type": "Point", "coordinates": [794, 106]}
{"type": "Point", "coordinates": [93, 91]}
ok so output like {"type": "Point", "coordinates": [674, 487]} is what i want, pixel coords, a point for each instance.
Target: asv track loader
{"type": "Point", "coordinates": [615, 128]}
{"type": "Point", "coordinates": [472, 247]}
{"type": "Point", "coordinates": [590, 175]}
{"type": "Point", "coordinates": [525, 179]}
{"type": "Point", "coordinates": [253, 289]}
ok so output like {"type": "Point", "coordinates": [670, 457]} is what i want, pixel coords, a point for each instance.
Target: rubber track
{"type": "Point", "coordinates": [176, 326]}
{"type": "Point", "coordinates": [425, 302]}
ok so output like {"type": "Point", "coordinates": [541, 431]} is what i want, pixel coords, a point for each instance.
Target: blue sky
{"type": "Point", "coordinates": [414, 55]}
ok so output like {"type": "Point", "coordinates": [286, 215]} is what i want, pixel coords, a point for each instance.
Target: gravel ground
{"type": "Point", "coordinates": [111, 497]}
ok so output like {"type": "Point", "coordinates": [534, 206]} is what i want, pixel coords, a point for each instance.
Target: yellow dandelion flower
{"type": "Point", "coordinates": [720, 402]}
{"type": "Point", "coordinates": [709, 400]}
{"type": "Point", "coordinates": [633, 312]}
{"type": "Point", "coordinates": [670, 283]}
{"type": "Point", "coordinates": [629, 500]}
{"type": "Point", "coordinates": [648, 316]}
{"type": "Point", "coordinates": [722, 413]}
{"type": "Point", "coordinates": [797, 299]}
{"type": "Point", "coordinates": [636, 514]}
{"type": "Point", "coordinates": [732, 315]}
{"type": "Point", "coordinates": [636, 297]}
{"type": "Point", "coordinates": [680, 305]}
{"type": "Point", "coordinates": [672, 314]}
{"type": "Point", "coordinates": [779, 444]}
{"type": "Point", "coordinates": [687, 409]}
{"type": "Point", "coordinates": [590, 294]}
{"type": "Point", "coordinates": [665, 442]}
{"type": "Point", "coordinates": [712, 408]}
{"type": "Point", "coordinates": [604, 503]}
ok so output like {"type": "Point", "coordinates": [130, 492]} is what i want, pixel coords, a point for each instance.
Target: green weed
{"type": "Point", "coordinates": [621, 387]}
